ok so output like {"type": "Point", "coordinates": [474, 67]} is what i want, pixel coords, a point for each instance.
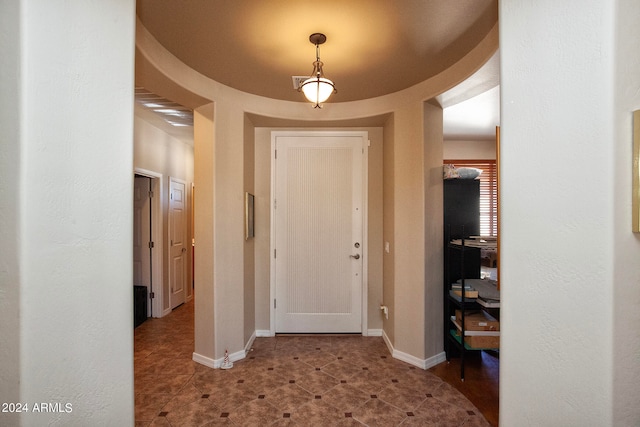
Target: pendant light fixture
{"type": "Point", "coordinates": [317, 88]}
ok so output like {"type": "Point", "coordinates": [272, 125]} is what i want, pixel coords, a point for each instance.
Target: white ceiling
{"type": "Point", "coordinates": [475, 118]}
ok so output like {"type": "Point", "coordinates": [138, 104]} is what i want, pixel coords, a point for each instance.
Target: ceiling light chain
{"type": "Point", "coordinates": [317, 88]}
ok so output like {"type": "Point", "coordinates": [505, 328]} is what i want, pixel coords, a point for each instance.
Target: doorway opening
{"type": "Point", "coordinates": [147, 240]}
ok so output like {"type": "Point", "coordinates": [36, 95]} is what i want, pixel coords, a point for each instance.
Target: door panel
{"type": "Point", "coordinates": [177, 241]}
{"type": "Point", "coordinates": [318, 224]}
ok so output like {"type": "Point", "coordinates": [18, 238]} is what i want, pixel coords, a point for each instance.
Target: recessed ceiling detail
{"type": "Point", "coordinates": [376, 47]}
{"type": "Point", "coordinates": [171, 112]}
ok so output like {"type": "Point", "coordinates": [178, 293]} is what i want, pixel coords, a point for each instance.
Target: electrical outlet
{"type": "Point", "coordinates": [385, 311]}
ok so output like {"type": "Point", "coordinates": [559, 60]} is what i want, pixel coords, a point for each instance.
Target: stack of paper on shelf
{"type": "Point", "coordinates": [478, 242]}
{"type": "Point", "coordinates": [458, 296]}
{"type": "Point", "coordinates": [488, 293]}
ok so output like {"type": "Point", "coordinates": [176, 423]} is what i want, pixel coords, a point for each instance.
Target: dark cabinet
{"type": "Point", "coordinates": [462, 206]}
{"type": "Point", "coordinates": [461, 219]}
{"type": "Point", "coordinates": [139, 305]}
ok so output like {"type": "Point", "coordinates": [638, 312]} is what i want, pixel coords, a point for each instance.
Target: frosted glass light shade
{"type": "Point", "coordinates": [317, 90]}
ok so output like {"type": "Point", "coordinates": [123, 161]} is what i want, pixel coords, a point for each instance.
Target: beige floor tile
{"type": "Point", "coordinates": [314, 380]}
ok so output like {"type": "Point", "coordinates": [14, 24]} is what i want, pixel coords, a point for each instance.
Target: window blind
{"type": "Point", "coordinates": [488, 193]}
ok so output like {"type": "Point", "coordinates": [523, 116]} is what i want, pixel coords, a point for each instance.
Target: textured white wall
{"type": "Point", "coordinates": [73, 182]}
{"type": "Point", "coordinates": [626, 279]}
{"type": "Point", "coordinates": [563, 230]}
{"type": "Point", "coordinates": [10, 161]}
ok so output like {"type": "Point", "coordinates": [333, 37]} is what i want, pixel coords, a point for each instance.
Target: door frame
{"type": "Point", "coordinates": [365, 216]}
{"type": "Point", "coordinates": [157, 221]}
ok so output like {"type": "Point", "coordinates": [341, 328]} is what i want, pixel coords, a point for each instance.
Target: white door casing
{"type": "Point", "coordinates": [318, 217]}
{"type": "Point", "coordinates": [191, 243]}
{"type": "Point", "coordinates": [177, 242]}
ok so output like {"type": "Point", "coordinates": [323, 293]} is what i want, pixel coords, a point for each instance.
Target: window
{"type": "Point", "coordinates": [488, 193]}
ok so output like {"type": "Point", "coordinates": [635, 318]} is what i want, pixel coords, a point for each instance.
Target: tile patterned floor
{"type": "Point", "coordinates": [287, 381]}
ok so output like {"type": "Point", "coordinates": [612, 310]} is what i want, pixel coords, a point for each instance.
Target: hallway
{"type": "Point", "coordinates": [300, 380]}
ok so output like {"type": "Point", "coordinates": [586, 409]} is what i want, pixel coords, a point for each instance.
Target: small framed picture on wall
{"type": "Point", "coordinates": [636, 172]}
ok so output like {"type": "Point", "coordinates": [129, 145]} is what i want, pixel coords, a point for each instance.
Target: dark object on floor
{"type": "Point", "coordinates": [139, 305]}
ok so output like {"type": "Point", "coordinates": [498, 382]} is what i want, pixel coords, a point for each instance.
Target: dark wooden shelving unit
{"type": "Point", "coordinates": [461, 262]}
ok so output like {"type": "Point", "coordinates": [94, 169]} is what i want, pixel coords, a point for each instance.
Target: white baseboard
{"type": "Point", "coordinates": [435, 360]}
{"type": "Point", "coordinates": [216, 363]}
{"type": "Point", "coordinates": [396, 354]}
{"type": "Point", "coordinates": [203, 360]}
{"type": "Point", "coordinates": [412, 360]}
{"type": "Point", "coordinates": [387, 342]}
{"type": "Point", "coordinates": [249, 344]}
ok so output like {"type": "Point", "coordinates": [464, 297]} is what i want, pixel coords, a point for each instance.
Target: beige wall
{"type": "Point", "coordinates": [157, 151]}
{"type": "Point", "coordinates": [375, 229]}
{"type": "Point", "coordinates": [469, 149]}
{"type": "Point", "coordinates": [249, 246]}
{"type": "Point", "coordinates": [409, 232]}
{"type": "Point", "coordinates": [388, 227]}
{"type": "Point", "coordinates": [262, 244]}
{"type": "Point", "coordinates": [204, 316]}
{"type": "Point", "coordinates": [228, 228]}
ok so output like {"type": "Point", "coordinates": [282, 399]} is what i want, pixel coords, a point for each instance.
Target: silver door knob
{"type": "Point", "coordinates": [356, 256]}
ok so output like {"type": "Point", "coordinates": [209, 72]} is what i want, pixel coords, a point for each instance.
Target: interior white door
{"type": "Point", "coordinates": [142, 234]}
{"type": "Point", "coordinates": [318, 233]}
{"type": "Point", "coordinates": [177, 241]}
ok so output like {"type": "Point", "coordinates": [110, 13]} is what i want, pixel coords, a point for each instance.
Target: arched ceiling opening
{"type": "Point", "coordinates": [373, 47]}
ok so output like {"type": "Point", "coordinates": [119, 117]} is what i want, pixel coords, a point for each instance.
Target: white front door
{"type": "Point", "coordinates": [177, 241]}
{"type": "Point", "coordinates": [318, 228]}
